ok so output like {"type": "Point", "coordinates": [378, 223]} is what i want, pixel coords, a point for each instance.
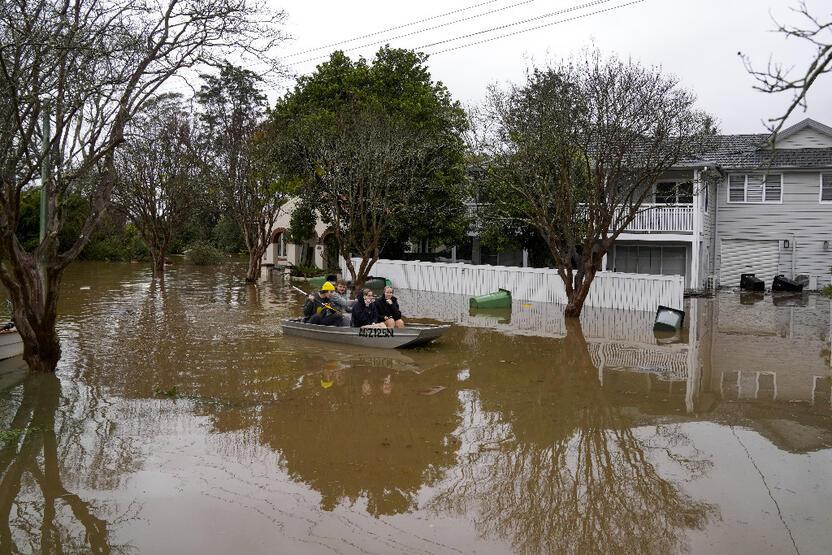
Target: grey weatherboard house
{"type": "Point", "coordinates": [768, 212]}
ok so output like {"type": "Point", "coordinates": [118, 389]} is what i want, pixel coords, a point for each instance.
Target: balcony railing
{"type": "Point", "coordinates": [651, 218]}
{"type": "Point", "coordinates": [661, 218]}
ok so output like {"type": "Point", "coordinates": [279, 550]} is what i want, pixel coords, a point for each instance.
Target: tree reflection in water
{"type": "Point", "coordinates": [359, 432]}
{"type": "Point", "coordinates": [38, 512]}
{"type": "Point", "coordinates": [561, 469]}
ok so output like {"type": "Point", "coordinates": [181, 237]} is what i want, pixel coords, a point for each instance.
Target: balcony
{"type": "Point", "coordinates": [663, 218]}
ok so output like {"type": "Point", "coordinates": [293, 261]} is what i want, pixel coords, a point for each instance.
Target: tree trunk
{"type": "Point", "coordinates": [34, 294]}
{"type": "Point", "coordinates": [157, 255]}
{"type": "Point", "coordinates": [253, 272]}
{"type": "Point", "coordinates": [583, 281]}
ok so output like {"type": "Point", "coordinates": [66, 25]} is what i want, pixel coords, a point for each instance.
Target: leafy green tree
{"type": "Point", "coordinates": [252, 188]}
{"type": "Point", "coordinates": [414, 132]}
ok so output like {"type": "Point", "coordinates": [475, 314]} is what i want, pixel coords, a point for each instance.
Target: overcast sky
{"type": "Point", "coordinates": [697, 40]}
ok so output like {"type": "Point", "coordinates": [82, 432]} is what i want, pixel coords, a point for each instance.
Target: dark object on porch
{"type": "Point", "coordinates": [751, 297]}
{"type": "Point", "coordinates": [789, 299]}
{"type": "Point", "coordinates": [751, 283]}
{"type": "Point", "coordinates": [499, 299]}
{"type": "Point", "coordinates": [782, 283]}
{"type": "Point", "coordinates": [668, 319]}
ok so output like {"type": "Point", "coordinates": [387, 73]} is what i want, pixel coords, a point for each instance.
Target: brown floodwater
{"type": "Point", "coordinates": [181, 421]}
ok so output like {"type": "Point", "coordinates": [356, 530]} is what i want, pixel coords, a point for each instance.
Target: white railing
{"type": "Point", "coordinates": [663, 218]}
{"type": "Point", "coordinates": [609, 289]}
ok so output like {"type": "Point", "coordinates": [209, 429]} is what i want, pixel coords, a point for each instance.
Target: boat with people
{"type": "Point", "coordinates": [385, 338]}
{"type": "Point", "coordinates": [11, 344]}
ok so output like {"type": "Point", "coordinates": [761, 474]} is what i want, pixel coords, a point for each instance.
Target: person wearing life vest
{"type": "Point", "coordinates": [319, 309]}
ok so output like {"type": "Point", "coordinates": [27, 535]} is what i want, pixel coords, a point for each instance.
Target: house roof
{"type": "Point", "coordinates": [752, 151]}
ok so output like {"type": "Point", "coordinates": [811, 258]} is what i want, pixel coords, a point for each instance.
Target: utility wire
{"type": "Point", "coordinates": [420, 31]}
{"type": "Point", "coordinates": [516, 23]}
{"type": "Point", "coordinates": [520, 32]}
{"type": "Point", "coordinates": [390, 29]}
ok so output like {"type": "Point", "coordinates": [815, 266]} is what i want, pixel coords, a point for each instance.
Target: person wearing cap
{"type": "Point", "coordinates": [319, 308]}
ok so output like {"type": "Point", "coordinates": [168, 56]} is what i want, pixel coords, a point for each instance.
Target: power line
{"type": "Point", "coordinates": [417, 32]}
{"type": "Point", "coordinates": [516, 23]}
{"type": "Point", "coordinates": [390, 29]}
{"type": "Point", "coordinates": [520, 32]}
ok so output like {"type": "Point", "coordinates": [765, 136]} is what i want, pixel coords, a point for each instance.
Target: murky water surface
{"type": "Point", "coordinates": [182, 421]}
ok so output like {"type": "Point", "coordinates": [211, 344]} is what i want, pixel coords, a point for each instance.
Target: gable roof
{"type": "Point", "coordinates": [752, 151]}
{"type": "Point", "coordinates": [807, 123]}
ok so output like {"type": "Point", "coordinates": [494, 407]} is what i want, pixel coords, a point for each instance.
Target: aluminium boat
{"type": "Point", "coordinates": [11, 344]}
{"type": "Point", "coordinates": [385, 338]}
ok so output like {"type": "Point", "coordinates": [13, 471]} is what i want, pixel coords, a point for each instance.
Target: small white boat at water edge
{"type": "Point", "coordinates": [11, 344]}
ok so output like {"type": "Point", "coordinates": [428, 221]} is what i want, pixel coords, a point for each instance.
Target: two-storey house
{"type": "Point", "coordinates": [742, 207]}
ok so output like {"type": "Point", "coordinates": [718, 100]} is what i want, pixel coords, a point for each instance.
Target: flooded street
{"type": "Point", "coordinates": [182, 421]}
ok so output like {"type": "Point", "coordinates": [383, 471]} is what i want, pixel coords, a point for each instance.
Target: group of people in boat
{"type": "Point", "coordinates": [329, 306]}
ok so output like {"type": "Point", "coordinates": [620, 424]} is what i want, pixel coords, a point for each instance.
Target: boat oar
{"type": "Point", "coordinates": [301, 291]}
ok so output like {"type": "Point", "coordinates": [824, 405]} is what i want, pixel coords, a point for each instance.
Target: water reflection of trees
{"type": "Point", "coordinates": [357, 433]}
{"type": "Point", "coordinates": [556, 466]}
{"type": "Point", "coordinates": [54, 454]}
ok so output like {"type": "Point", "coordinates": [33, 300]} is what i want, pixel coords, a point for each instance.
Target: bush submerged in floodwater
{"type": "Point", "coordinates": [202, 253]}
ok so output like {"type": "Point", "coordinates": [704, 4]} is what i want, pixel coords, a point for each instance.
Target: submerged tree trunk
{"type": "Point", "coordinates": [157, 256]}
{"type": "Point", "coordinates": [255, 254]}
{"type": "Point", "coordinates": [34, 293]}
{"type": "Point", "coordinates": [576, 296]}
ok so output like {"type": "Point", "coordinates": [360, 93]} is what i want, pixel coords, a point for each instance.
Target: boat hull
{"type": "Point", "coordinates": [11, 344]}
{"type": "Point", "coordinates": [412, 336]}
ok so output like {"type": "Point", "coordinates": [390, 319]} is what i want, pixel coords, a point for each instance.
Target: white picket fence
{"type": "Point", "coordinates": [609, 290]}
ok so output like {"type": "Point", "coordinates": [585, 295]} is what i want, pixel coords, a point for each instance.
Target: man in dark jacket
{"type": "Point", "coordinates": [318, 308]}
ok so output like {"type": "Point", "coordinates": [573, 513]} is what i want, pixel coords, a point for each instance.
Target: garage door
{"type": "Point", "coordinates": [741, 256]}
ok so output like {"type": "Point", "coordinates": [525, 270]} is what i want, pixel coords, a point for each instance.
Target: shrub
{"type": "Point", "coordinates": [202, 253]}
{"type": "Point", "coordinates": [827, 291]}
{"type": "Point", "coordinates": [305, 271]}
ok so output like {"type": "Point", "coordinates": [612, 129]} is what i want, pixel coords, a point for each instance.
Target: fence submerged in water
{"type": "Point", "coordinates": [612, 290]}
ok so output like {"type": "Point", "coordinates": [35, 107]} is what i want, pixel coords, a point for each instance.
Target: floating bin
{"type": "Point", "coordinates": [668, 319]}
{"type": "Point", "coordinates": [375, 283]}
{"type": "Point", "coordinates": [750, 282]}
{"type": "Point", "coordinates": [782, 283]}
{"type": "Point", "coordinates": [499, 299]}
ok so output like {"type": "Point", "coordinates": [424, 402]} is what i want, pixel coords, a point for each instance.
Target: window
{"type": "Point", "coordinates": [755, 188]}
{"type": "Point", "coordinates": [826, 187]}
{"type": "Point", "coordinates": [672, 192]}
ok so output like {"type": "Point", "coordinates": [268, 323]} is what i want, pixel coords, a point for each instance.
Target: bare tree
{"type": "Point", "coordinates": [364, 177]}
{"type": "Point", "coordinates": [817, 32]}
{"type": "Point", "coordinates": [86, 67]}
{"type": "Point", "coordinates": [233, 110]}
{"type": "Point", "coordinates": [157, 170]}
{"type": "Point", "coordinates": [578, 147]}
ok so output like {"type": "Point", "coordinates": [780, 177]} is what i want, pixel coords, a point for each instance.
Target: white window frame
{"type": "Point", "coordinates": [676, 183]}
{"type": "Point", "coordinates": [820, 188]}
{"type": "Point", "coordinates": [745, 190]}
